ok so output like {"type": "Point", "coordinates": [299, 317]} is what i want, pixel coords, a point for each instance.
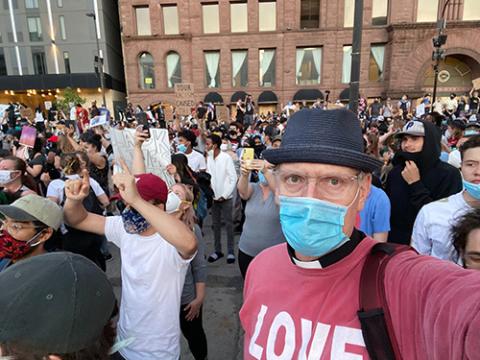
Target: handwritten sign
{"type": "Point", "coordinates": [28, 136]}
{"type": "Point", "coordinates": [184, 98]}
{"type": "Point", "coordinates": [168, 109]}
{"type": "Point", "coordinates": [156, 151]}
{"type": "Point", "coordinates": [476, 83]}
{"type": "Point", "coordinates": [223, 114]}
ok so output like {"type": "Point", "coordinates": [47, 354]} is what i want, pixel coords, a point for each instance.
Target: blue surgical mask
{"type": "Point", "coordinates": [472, 189]}
{"type": "Point", "coordinates": [133, 222]}
{"type": "Point", "coordinates": [262, 179]}
{"type": "Point", "coordinates": [182, 148]}
{"type": "Point", "coordinates": [312, 227]}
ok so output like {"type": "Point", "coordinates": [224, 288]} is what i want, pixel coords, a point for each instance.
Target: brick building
{"type": "Point", "coordinates": [286, 50]}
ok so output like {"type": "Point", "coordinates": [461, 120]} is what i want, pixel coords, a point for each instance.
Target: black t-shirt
{"type": "Point", "coordinates": [375, 108]}
{"type": "Point", "coordinates": [474, 101]}
{"type": "Point", "coordinates": [249, 107]}
{"type": "Point", "coordinates": [201, 111]}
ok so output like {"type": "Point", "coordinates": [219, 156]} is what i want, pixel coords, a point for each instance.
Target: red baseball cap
{"type": "Point", "coordinates": [152, 187]}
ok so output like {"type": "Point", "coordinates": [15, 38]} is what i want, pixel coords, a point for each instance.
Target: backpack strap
{"type": "Point", "coordinates": [374, 316]}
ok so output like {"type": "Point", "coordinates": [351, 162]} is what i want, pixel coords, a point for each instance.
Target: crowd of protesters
{"type": "Point", "coordinates": [311, 190]}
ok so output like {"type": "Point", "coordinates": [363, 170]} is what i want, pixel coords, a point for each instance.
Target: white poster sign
{"type": "Point", "coordinates": [156, 151]}
{"type": "Point", "coordinates": [98, 120]}
{"type": "Point", "coordinates": [420, 110]}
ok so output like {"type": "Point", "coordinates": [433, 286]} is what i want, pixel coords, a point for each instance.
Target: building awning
{"type": "Point", "coordinates": [238, 95]}
{"type": "Point", "coordinates": [345, 95]}
{"type": "Point", "coordinates": [58, 81]}
{"type": "Point", "coordinates": [267, 97]}
{"type": "Point", "coordinates": [214, 98]}
{"type": "Point", "coordinates": [308, 95]}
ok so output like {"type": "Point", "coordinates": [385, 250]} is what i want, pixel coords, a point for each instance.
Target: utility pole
{"type": "Point", "coordinates": [99, 62]}
{"type": "Point", "coordinates": [356, 49]}
{"type": "Point", "coordinates": [439, 53]}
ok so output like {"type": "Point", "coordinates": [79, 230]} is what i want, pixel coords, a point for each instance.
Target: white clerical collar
{"type": "Point", "coordinates": [307, 264]}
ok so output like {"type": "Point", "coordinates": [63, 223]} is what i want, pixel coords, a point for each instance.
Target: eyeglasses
{"type": "Point", "coordinates": [329, 187]}
{"type": "Point", "coordinates": [15, 227]}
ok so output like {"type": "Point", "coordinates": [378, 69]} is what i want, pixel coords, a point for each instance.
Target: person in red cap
{"type": "Point", "coordinates": [156, 249]}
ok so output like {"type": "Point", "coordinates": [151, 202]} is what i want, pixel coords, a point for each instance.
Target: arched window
{"type": "Point", "coordinates": [174, 69]}
{"type": "Point", "coordinates": [146, 71]}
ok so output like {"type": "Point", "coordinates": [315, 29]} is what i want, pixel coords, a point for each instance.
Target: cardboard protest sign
{"type": "Point", "coordinates": [184, 98]}
{"type": "Point", "coordinates": [156, 151]}
{"type": "Point", "coordinates": [168, 110]}
{"type": "Point", "coordinates": [48, 105]}
{"type": "Point", "coordinates": [223, 114]}
{"type": "Point", "coordinates": [98, 120]}
{"type": "Point", "coordinates": [476, 83]}
{"type": "Point", "coordinates": [28, 136]}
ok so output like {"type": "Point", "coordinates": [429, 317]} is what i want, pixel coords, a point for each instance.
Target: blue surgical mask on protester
{"type": "Point", "coordinates": [182, 148]}
{"type": "Point", "coordinates": [472, 189]}
{"type": "Point", "coordinates": [261, 178]}
{"type": "Point", "coordinates": [133, 222]}
{"type": "Point", "coordinates": [313, 227]}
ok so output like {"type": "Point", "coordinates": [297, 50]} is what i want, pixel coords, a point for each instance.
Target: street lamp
{"type": "Point", "coordinates": [439, 53]}
{"type": "Point", "coordinates": [356, 49]}
{"type": "Point", "coordinates": [99, 62]}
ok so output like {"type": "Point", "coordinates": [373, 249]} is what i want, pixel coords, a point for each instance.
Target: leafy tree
{"type": "Point", "coordinates": [68, 97]}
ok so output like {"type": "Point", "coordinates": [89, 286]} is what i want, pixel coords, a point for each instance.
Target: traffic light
{"type": "Point", "coordinates": [439, 40]}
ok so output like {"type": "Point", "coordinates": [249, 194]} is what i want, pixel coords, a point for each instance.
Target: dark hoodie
{"type": "Point", "coordinates": [437, 181]}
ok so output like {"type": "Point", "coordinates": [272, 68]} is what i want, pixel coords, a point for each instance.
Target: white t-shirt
{"type": "Point", "coordinates": [56, 187]}
{"type": "Point", "coordinates": [431, 232]}
{"type": "Point", "coordinates": [196, 161]}
{"type": "Point", "coordinates": [153, 274]}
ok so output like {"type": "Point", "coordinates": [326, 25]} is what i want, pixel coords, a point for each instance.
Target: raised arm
{"type": "Point", "coordinates": [244, 187]}
{"type": "Point", "coordinates": [170, 228]}
{"type": "Point", "coordinates": [138, 163]}
{"type": "Point", "coordinates": [75, 213]}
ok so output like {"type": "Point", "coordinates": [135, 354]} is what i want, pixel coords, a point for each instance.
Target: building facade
{"type": "Point", "coordinates": [48, 45]}
{"type": "Point", "coordinates": [293, 50]}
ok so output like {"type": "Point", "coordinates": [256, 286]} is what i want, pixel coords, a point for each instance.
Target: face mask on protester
{"type": "Point", "coordinates": [6, 176]}
{"type": "Point", "coordinates": [182, 148]}
{"type": "Point", "coordinates": [313, 227]}
{"type": "Point", "coordinates": [262, 179]}
{"type": "Point", "coordinates": [14, 249]}
{"type": "Point", "coordinates": [173, 203]}
{"type": "Point", "coordinates": [224, 147]}
{"type": "Point", "coordinates": [133, 222]}
{"type": "Point", "coordinates": [472, 189]}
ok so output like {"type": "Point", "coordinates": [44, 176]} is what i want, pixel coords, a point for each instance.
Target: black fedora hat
{"type": "Point", "coordinates": [323, 136]}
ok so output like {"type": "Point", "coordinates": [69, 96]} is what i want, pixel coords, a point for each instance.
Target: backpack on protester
{"type": "Point", "coordinates": [377, 328]}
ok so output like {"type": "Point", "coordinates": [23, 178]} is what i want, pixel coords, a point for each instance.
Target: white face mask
{"type": "Point", "coordinates": [224, 147]}
{"type": "Point", "coordinates": [173, 203]}
{"type": "Point", "coordinates": [7, 176]}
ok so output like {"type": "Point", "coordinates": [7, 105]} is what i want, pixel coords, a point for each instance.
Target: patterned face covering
{"type": "Point", "coordinates": [133, 222]}
{"type": "Point", "coordinates": [14, 249]}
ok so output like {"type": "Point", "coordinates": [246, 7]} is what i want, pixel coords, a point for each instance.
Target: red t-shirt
{"type": "Point", "coordinates": [295, 313]}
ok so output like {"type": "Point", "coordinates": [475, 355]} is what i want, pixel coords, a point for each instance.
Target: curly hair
{"type": "Point", "coordinates": [462, 228]}
{"type": "Point", "coordinates": [99, 350]}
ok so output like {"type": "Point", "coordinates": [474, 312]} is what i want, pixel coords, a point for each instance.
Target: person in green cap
{"type": "Point", "coordinates": [26, 225]}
